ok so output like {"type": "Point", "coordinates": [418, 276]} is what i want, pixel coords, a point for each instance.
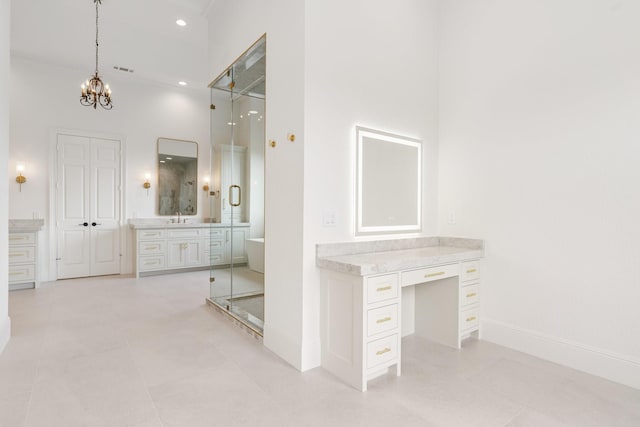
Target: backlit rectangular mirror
{"type": "Point", "coordinates": [177, 177]}
{"type": "Point", "coordinates": [388, 181]}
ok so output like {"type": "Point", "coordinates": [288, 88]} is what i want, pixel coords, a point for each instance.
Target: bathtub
{"type": "Point", "coordinates": [255, 254]}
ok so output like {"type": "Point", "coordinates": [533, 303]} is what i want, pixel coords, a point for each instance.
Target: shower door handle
{"type": "Point", "coordinates": [231, 195]}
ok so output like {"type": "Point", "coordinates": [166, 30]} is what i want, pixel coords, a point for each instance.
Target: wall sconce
{"type": "Point", "coordinates": [205, 187]}
{"type": "Point", "coordinates": [20, 179]}
{"type": "Point", "coordinates": [147, 184]}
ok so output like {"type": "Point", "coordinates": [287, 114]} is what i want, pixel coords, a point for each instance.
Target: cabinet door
{"type": "Point", "coordinates": [175, 254]}
{"type": "Point", "coordinates": [193, 253]}
{"type": "Point", "coordinates": [233, 172]}
{"type": "Point", "coordinates": [185, 253]}
{"type": "Point", "coordinates": [238, 251]}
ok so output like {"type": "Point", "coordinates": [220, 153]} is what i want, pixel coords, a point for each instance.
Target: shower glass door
{"type": "Point", "coordinates": [236, 197]}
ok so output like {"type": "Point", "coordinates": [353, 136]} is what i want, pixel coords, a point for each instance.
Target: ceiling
{"type": "Point", "coordinates": [135, 34]}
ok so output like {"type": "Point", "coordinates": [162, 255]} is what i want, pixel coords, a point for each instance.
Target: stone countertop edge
{"type": "Point", "coordinates": [25, 225]}
{"type": "Point", "coordinates": [144, 226]}
{"type": "Point", "coordinates": [360, 260]}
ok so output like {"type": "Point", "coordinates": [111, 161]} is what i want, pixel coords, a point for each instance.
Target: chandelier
{"type": "Point", "coordinates": [95, 92]}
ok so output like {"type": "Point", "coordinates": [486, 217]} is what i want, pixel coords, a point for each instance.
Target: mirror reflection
{"type": "Point", "coordinates": [177, 177]}
{"type": "Point", "coordinates": [389, 174]}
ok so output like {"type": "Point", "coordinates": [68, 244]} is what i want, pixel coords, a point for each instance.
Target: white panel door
{"type": "Point", "coordinates": [105, 207]}
{"type": "Point", "coordinates": [72, 210]}
{"type": "Point", "coordinates": [88, 206]}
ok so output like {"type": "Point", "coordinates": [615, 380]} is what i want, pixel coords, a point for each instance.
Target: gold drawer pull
{"type": "Point", "coordinates": [386, 319]}
{"type": "Point", "coordinates": [381, 352]}
{"type": "Point", "coordinates": [15, 274]}
{"type": "Point", "coordinates": [471, 319]}
{"type": "Point", "coordinates": [439, 273]}
{"type": "Point", "coordinates": [384, 288]}
{"type": "Point", "coordinates": [14, 254]}
{"type": "Point", "coordinates": [471, 270]}
{"type": "Point", "coordinates": [472, 294]}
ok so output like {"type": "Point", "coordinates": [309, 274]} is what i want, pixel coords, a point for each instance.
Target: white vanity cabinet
{"type": "Point", "coordinates": [22, 260]}
{"type": "Point", "coordinates": [179, 247]}
{"type": "Point", "coordinates": [23, 253]}
{"type": "Point", "coordinates": [364, 303]}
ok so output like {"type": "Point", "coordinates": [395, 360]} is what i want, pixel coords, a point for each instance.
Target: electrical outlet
{"type": "Point", "coordinates": [329, 218]}
{"type": "Point", "coordinates": [452, 217]}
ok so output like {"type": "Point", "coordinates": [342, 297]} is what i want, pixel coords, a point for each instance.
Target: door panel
{"type": "Point", "coordinates": [105, 206]}
{"type": "Point", "coordinates": [73, 207]}
{"type": "Point", "coordinates": [88, 192]}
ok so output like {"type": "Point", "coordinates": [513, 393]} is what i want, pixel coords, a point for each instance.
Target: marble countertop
{"type": "Point", "coordinates": [151, 223]}
{"type": "Point", "coordinates": [367, 258]}
{"type": "Point", "coordinates": [25, 225]}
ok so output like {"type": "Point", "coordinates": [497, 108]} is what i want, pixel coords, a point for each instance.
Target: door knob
{"type": "Point", "coordinates": [93, 224]}
{"type": "Point", "coordinates": [85, 224]}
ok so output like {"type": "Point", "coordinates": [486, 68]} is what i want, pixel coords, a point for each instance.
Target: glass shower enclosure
{"type": "Point", "coordinates": [236, 196]}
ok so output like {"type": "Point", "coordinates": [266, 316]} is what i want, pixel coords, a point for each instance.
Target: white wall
{"type": "Point", "coordinates": [539, 130]}
{"type": "Point", "coordinates": [234, 25]}
{"type": "Point", "coordinates": [5, 325]}
{"type": "Point", "coordinates": [352, 74]}
{"type": "Point", "coordinates": [45, 97]}
{"type": "Point", "coordinates": [368, 63]}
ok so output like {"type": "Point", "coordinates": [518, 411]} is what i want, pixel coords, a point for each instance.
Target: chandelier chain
{"type": "Point", "coordinates": [97, 3]}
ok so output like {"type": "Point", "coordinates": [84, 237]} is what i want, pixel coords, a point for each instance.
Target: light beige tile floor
{"type": "Point", "coordinates": [118, 351]}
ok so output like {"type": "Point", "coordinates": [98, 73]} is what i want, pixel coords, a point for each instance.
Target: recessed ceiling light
{"type": "Point", "coordinates": [253, 112]}
{"type": "Point", "coordinates": [182, 83]}
{"type": "Point", "coordinates": [181, 22]}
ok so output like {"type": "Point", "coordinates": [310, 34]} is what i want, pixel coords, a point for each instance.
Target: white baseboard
{"type": "Point", "coordinates": [5, 332]}
{"type": "Point", "coordinates": [603, 363]}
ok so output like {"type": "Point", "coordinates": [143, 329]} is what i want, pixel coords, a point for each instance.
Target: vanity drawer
{"type": "Point", "coordinates": [18, 254]}
{"type": "Point", "coordinates": [382, 319]}
{"type": "Point", "coordinates": [382, 350]}
{"type": "Point", "coordinates": [469, 295]}
{"type": "Point", "coordinates": [216, 245]}
{"type": "Point", "coordinates": [148, 263]}
{"type": "Point", "coordinates": [216, 258]}
{"type": "Point", "coordinates": [152, 248]}
{"type": "Point", "coordinates": [429, 274]}
{"type": "Point", "coordinates": [22, 273]}
{"type": "Point", "coordinates": [151, 234]}
{"type": "Point", "coordinates": [381, 288]}
{"type": "Point", "coordinates": [470, 319]}
{"type": "Point", "coordinates": [216, 232]}
{"type": "Point", "coordinates": [21, 238]}
{"type": "Point", "coordinates": [189, 233]}
{"type": "Point", "coordinates": [470, 271]}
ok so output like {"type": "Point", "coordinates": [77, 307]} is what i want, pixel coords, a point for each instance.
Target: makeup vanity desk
{"type": "Point", "coordinates": [376, 292]}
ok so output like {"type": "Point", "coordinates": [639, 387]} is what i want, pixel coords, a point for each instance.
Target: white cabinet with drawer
{"type": "Point", "coordinates": [362, 315]}
{"type": "Point", "coordinates": [199, 246]}
{"type": "Point", "coordinates": [361, 326]}
{"type": "Point", "coordinates": [23, 253]}
{"type": "Point", "coordinates": [469, 298]}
